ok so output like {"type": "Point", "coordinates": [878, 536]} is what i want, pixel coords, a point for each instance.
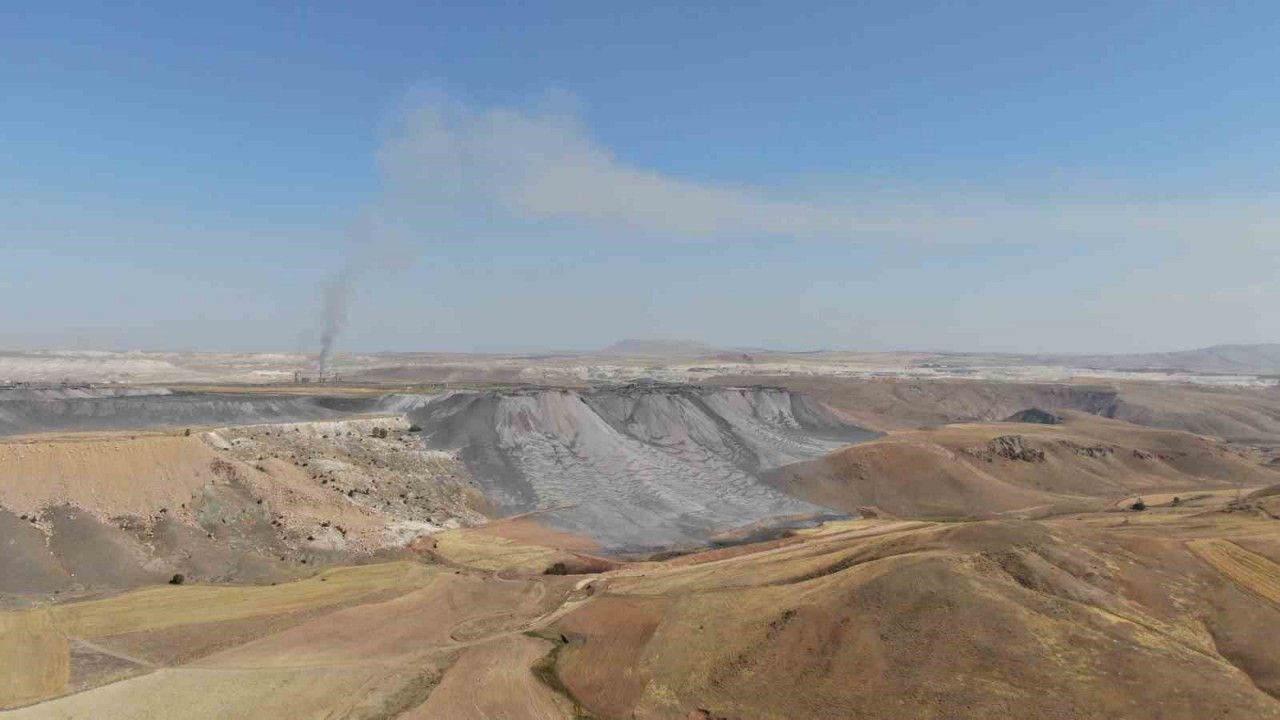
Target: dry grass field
{"type": "Point", "coordinates": [1248, 570]}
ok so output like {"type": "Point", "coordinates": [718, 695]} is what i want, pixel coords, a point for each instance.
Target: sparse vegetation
{"type": "Point", "coordinates": [545, 671]}
{"type": "Point", "coordinates": [1139, 505]}
{"type": "Point", "coordinates": [177, 579]}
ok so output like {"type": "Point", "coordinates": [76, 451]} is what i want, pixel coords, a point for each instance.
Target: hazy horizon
{"type": "Point", "coordinates": [310, 352]}
{"type": "Point", "coordinates": [992, 178]}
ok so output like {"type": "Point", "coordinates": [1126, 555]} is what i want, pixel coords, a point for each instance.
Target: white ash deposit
{"type": "Point", "coordinates": [636, 466]}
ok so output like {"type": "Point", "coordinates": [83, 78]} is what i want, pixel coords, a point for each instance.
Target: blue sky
{"type": "Point", "coordinates": [524, 176]}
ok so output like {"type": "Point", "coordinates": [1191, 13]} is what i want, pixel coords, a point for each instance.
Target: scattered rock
{"type": "Point", "coordinates": [1009, 447]}
{"type": "Point", "coordinates": [1091, 451]}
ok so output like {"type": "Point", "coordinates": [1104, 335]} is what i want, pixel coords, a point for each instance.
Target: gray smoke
{"type": "Point", "coordinates": [384, 238]}
{"type": "Point", "coordinates": [335, 297]}
{"type": "Point", "coordinates": [383, 248]}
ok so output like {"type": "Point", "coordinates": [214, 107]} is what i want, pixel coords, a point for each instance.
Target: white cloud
{"type": "Point", "coordinates": [538, 165]}
{"type": "Point", "coordinates": [546, 166]}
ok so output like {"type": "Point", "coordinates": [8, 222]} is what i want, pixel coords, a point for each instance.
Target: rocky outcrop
{"type": "Point", "coordinates": [1034, 415]}
{"type": "Point", "coordinates": [1093, 451]}
{"type": "Point", "coordinates": [1007, 447]}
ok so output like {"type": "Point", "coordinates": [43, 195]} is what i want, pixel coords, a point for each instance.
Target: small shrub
{"type": "Point", "coordinates": [1139, 506]}
{"type": "Point", "coordinates": [177, 579]}
{"type": "Point", "coordinates": [186, 433]}
{"type": "Point", "coordinates": [1176, 501]}
{"type": "Point", "coordinates": [557, 569]}
{"type": "Point", "coordinates": [415, 428]}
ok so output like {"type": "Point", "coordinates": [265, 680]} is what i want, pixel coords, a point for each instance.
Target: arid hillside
{"type": "Point", "coordinates": [1237, 414]}
{"type": "Point", "coordinates": [89, 513]}
{"type": "Point", "coordinates": [1150, 614]}
{"type": "Point", "coordinates": [1086, 617]}
{"type": "Point", "coordinates": [388, 566]}
{"type": "Point", "coordinates": [977, 468]}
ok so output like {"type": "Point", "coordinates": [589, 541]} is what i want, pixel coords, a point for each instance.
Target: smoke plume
{"type": "Point", "coordinates": [335, 297]}
{"type": "Point", "coordinates": [378, 244]}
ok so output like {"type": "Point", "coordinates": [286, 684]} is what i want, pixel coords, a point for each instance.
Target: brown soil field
{"type": "Point", "coordinates": [363, 633]}
{"type": "Point", "coordinates": [493, 682]}
{"type": "Point", "coordinates": [526, 548]}
{"type": "Point", "coordinates": [526, 530]}
{"type": "Point", "coordinates": [184, 692]}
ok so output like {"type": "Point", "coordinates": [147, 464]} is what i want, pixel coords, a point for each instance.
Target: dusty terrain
{"type": "Point", "coordinates": [367, 552]}
{"type": "Point", "coordinates": [1094, 615]}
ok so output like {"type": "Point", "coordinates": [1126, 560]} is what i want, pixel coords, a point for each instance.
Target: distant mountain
{"type": "Point", "coordinates": [1262, 359]}
{"type": "Point", "coordinates": [661, 348]}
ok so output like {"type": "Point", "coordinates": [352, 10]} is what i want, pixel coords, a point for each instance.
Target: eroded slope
{"type": "Point", "coordinates": [636, 466]}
